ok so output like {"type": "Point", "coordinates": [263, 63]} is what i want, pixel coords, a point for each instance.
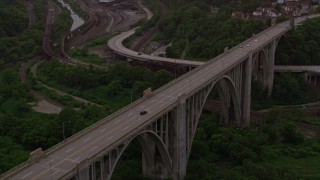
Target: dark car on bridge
{"type": "Point", "coordinates": [143, 112]}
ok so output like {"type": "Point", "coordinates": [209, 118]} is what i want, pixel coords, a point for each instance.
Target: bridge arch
{"type": "Point", "coordinates": [234, 96]}
{"type": "Point", "coordinates": [260, 66]}
{"type": "Point", "coordinates": [143, 138]}
{"type": "Point", "coordinates": [221, 83]}
{"type": "Point", "coordinates": [199, 99]}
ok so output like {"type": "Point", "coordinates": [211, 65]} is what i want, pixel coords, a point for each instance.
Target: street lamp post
{"type": "Point", "coordinates": [175, 68]}
{"type": "Point", "coordinates": [131, 94]}
{"type": "Point", "coordinates": [64, 137]}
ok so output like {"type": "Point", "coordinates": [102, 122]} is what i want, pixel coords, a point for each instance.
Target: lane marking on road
{"type": "Point", "coordinates": [69, 150]}
{"type": "Point", "coordinates": [129, 114]}
{"type": "Point", "coordinates": [76, 160]}
{"type": "Point", "coordinates": [93, 148]}
{"type": "Point", "coordinates": [55, 172]}
{"type": "Point", "coordinates": [50, 161]}
{"type": "Point", "coordinates": [27, 175]}
{"type": "Point", "coordinates": [125, 128]}
{"type": "Point", "coordinates": [87, 139]}
{"type": "Point", "coordinates": [102, 130]}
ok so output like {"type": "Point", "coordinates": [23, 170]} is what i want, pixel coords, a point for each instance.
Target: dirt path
{"type": "Point", "coordinates": [62, 93]}
{"type": "Point", "coordinates": [45, 104]}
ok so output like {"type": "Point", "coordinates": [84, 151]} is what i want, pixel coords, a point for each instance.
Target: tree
{"type": "Point", "coordinates": [161, 77]}
{"type": "Point", "coordinates": [290, 134]}
{"type": "Point", "coordinates": [11, 154]}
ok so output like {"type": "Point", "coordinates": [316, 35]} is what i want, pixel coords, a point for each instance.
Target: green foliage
{"type": "Point", "coordinates": [258, 96]}
{"type": "Point", "coordinates": [61, 25]}
{"type": "Point", "coordinates": [11, 154]}
{"type": "Point", "coordinates": [286, 86]}
{"type": "Point", "coordinates": [16, 10]}
{"type": "Point", "coordinates": [301, 46]}
{"type": "Point", "coordinates": [205, 34]}
{"type": "Point", "coordinates": [290, 134]}
{"type": "Point", "coordinates": [17, 41]}
{"type": "Point", "coordinates": [116, 85]}
{"type": "Point", "coordinates": [251, 153]}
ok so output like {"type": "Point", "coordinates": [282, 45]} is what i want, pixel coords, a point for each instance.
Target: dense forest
{"type": "Point", "coordinates": [112, 89]}
{"type": "Point", "coordinates": [17, 40]}
{"type": "Point", "coordinates": [206, 35]}
{"type": "Point", "coordinates": [276, 150]}
{"type": "Point", "coordinates": [300, 46]}
{"type": "Point", "coordinates": [197, 33]}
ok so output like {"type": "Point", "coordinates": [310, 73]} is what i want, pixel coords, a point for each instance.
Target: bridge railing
{"type": "Point", "coordinates": [120, 141]}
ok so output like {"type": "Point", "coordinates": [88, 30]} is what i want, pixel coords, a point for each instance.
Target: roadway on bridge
{"type": "Point", "coordinates": [116, 128]}
{"type": "Point", "coordinates": [315, 69]}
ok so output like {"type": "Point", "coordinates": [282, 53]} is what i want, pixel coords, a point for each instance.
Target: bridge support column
{"type": "Point", "coordinates": [83, 173]}
{"type": "Point", "coordinates": [152, 165]}
{"type": "Point", "coordinates": [180, 142]}
{"type": "Point", "coordinates": [270, 70]}
{"type": "Point", "coordinates": [246, 100]}
{"type": "Point", "coordinates": [93, 171]}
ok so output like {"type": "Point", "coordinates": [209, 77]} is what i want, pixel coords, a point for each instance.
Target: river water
{"type": "Point", "coordinates": [77, 21]}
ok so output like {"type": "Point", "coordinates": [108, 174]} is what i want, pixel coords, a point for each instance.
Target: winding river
{"type": "Point", "coordinates": [77, 21]}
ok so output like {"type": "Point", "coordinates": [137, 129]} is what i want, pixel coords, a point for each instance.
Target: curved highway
{"type": "Point", "coordinates": [116, 45]}
{"type": "Point", "coordinates": [146, 10]}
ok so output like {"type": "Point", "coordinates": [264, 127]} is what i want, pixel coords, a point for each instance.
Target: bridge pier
{"type": "Point", "coordinates": [270, 63]}
{"type": "Point", "coordinates": [152, 164]}
{"type": "Point", "coordinates": [179, 160]}
{"type": "Point", "coordinates": [83, 173]}
{"type": "Point", "coordinates": [312, 78]}
{"type": "Point", "coordinates": [246, 86]}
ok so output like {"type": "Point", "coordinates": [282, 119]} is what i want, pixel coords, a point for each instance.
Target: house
{"type": "Point", "coordinates": [292, 6]}
{"type": "Point", "coordinates": [239, 15]}
{"type": "Point", "coordinates": [273, 13]}
{"type": "Point", "coordinates": [305, 5]}
{"type": "Point", "coordinates": [258, 12]}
